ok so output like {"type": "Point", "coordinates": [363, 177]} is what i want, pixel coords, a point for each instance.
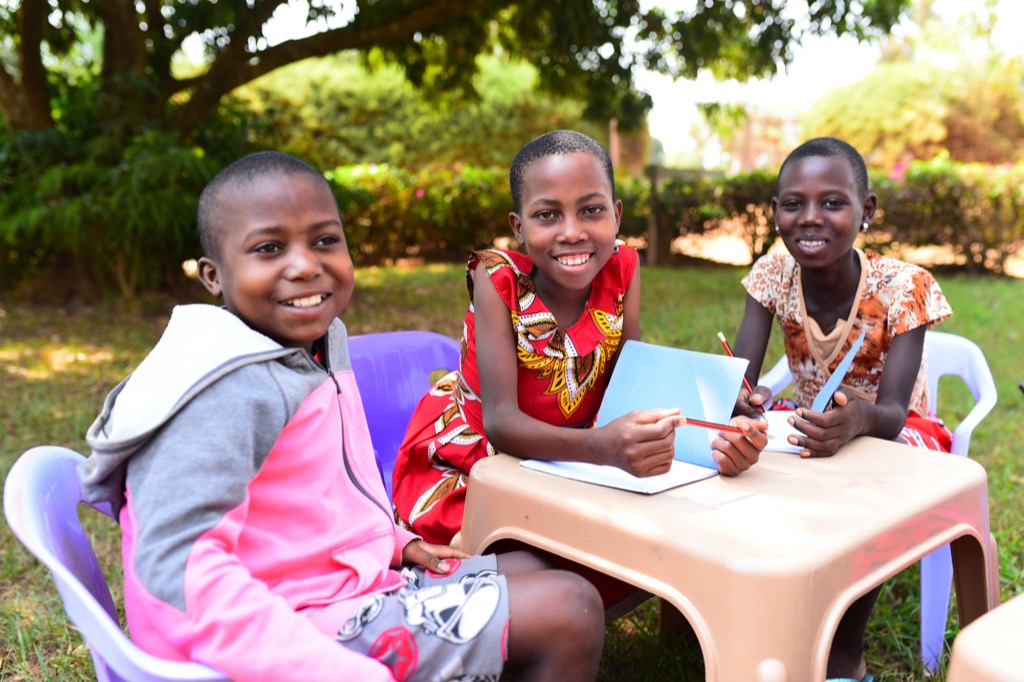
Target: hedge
{"type": "Point", "coordinates": [65, 224]}
{"type": "Point", "coordinates": [390, 213]}
{"type": "Point", "coordinates": [977, 210]}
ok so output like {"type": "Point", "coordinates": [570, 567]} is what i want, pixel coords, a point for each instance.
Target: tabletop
{"type": "Point", "coordinates": [801, 537]}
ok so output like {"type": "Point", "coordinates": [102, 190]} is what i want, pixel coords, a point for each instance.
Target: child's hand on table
{"type": "Point", "coordinates": [641, 442]}
{"type": "Point", "coordinates": [737, 452]}
{"type": "Point", "coordinates": [832, 429]}
{"type": "Point", "coordinates": [431, 557]}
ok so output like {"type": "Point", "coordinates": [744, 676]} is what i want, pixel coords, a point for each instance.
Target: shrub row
{"type": "Point", "coordinates": [128, 226]}
{"type": "Point", "coordinates": [977, 210]}
{"type": "Point", "coordinates": [390, 213]}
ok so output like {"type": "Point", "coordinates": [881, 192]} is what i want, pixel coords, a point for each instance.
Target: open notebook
{"type": "Point", "coordinates": [779, 428]}
{"type": "Point", "coordinates": [649, 376]}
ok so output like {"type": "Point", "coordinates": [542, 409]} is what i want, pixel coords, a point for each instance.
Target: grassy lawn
{"type": "Point", "coordinates": [56, 366]}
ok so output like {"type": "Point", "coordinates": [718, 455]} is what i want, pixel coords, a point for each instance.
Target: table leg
{"type": "Point", "coordinates": [977, 585]}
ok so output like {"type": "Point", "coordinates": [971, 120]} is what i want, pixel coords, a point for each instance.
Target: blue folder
{"type": "Point", "coordinates": [702, 385]}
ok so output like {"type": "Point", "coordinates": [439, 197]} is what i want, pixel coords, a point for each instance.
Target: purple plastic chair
{"type": "Point", "coordinates": [393, 371]}
{"type": "Point", "coordinates": [41, 499]}
{"type": "Point", "coordinates": [948, 355]}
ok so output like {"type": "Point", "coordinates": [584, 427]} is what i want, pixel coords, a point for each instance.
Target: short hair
{"type": "Point", "coordinates": [555, 143]}
{"type": "Point", "coordinates": [243, 171]}
{"type": "Point", "coordinates": [830, 147]}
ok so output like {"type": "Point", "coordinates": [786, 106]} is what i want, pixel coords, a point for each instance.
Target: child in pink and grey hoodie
{"type": "Point", "coordinates": [257, 535]}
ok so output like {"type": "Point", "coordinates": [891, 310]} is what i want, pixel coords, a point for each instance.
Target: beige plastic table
{"type": "Point", "coordinates": [763, 565]}
{"type": "Point", "coordinates": [989, 649]}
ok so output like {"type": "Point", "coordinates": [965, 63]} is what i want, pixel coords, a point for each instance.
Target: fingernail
{"type": "Point", "coordinates": [442, 566]}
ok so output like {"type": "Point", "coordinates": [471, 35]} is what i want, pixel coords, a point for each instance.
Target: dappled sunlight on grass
{"type": "Point", "coordinates": [44, 363]}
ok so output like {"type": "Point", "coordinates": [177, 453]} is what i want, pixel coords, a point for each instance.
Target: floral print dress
{"type": "Point", "coordinates": [893, 297]}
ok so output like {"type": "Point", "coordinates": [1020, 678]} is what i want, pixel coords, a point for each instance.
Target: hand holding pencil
{"type": "Point", "coordinates": [746, 384]}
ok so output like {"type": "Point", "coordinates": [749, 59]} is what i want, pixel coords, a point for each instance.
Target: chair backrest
{"type": "Point", "coordinates": [41, 500]}
{"type": "Point", "coordinates": [948, 355]}
{"type": "Point", "coordinates": [393, 372]}
{"type": "Point", "coordinates": [952, 355]}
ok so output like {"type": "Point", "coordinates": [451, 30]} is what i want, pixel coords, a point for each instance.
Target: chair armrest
{"type": "Point", "coordinates": [962, 433]}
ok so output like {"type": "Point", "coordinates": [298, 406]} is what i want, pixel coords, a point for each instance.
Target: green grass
{"type": "Point", "coordinates": [57, 365]}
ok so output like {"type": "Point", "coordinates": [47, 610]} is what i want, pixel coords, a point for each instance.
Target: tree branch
{"type": "Point", "coordinates": [228, 73]}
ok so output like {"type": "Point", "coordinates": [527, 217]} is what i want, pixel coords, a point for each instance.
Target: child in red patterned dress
{"type": "Point", "coordinates": [824, 293]}
{"type": "Point", "coordinates": [539, 342]}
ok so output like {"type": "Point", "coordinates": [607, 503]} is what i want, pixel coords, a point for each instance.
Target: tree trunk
{"type": "Point", "coordinates": [25, 106]}
{"type": "Point", "coordinates": [26, 102]}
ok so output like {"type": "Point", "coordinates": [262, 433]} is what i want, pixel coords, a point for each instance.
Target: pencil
{"type": "Point", "coordinates": [717, 427]}
{"type": "Point", "coordinates": [746, 384]}
{"type": "Point", "coordinates": [711, 425]}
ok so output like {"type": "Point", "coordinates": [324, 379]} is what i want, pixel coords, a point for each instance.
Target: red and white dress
{"type": "Point", "coordinates": [562, 375]}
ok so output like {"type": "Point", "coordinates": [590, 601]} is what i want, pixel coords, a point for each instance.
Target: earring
{"type": "Point", "coordinates": [777, 230]}
{"type": "Point", "coordinates": [864, 226]}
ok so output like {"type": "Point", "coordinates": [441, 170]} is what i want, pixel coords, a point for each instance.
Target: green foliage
{"type": "Point", "coordinates": [894, 109]}
{"type": "Point", "coordinates": [701, 202]}
{"type": "Point", "coordinates": [586, 51]}
{"type": "Point", "coordinates": [742, 199]}
{"type": "Point", "coordinates": [390, 213]}
{"type": "Point", "coordinates": [634, 193]}
{"type": "Point", "coordinates": [976, 209]}
{"type": "Point", "coordinates": [918, 111]}
{"type": "Point", "coordinates": [333, 112]}
{"type": "Point", "coordinates": [117, 137]}
{"type": "Point", "coordinates": [95, 217]}
{"type": "Point", "coordinates": [438, 215]}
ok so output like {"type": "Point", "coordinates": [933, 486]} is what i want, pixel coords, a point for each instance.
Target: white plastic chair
{"type": "Point", "coordinates": [948, 355]}
{"type": "Point", "coordinates": [41, 499]}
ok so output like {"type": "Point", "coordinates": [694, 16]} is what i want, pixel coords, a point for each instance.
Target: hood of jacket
{"type": "Point", "coordinates": [201, 344]}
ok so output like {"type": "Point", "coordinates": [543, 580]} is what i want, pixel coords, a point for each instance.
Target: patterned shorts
{"type": "Point", "coordinates": [438, 627]}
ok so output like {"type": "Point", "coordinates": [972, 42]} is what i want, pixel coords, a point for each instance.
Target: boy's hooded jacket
{"type": "Point", "coordinates": [253, 515]}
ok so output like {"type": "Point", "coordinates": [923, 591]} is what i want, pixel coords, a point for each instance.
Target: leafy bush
{"type": "Point", "coordinates": [127, 223]}
{"type": "Point", "coordinates": [96, 215]}
{"type": "Point", "coordinates": [746, 199]}
{"type": "Point", "coordinates": [976, 209]}
{"type": "Point", "coordinates": [440, 215]}
{"type": "Point", "coordinates": [390, 213]}
{"type": "Point", "coordinates": [634, 193]}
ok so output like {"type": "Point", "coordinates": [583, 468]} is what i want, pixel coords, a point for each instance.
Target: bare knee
{"type": "Point", "coordinates": [556, 628]}
{"type": "Point", "coordinates": [580, 596]}
{"type": "Point", "coordinates": [569, 604]}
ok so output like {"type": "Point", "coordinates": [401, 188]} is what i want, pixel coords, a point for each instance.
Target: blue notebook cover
{"type": "Point", "coordinates": [702, 385]}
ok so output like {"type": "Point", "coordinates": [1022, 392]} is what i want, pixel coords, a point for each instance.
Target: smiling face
{"type": "Point", "coordinates": [282, 265]}
{"type": "Point", "coordinates": [819, 209]}
{"type": "Point", "coordinates": [567, 222]}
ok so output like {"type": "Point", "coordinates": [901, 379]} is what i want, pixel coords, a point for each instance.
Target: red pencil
{"type": "Point", "coordinates": [711, 425]}
{"type": "Point", "coordinates": [717, 427]}
{"type": "Point", "coordinates": [746, 384]}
